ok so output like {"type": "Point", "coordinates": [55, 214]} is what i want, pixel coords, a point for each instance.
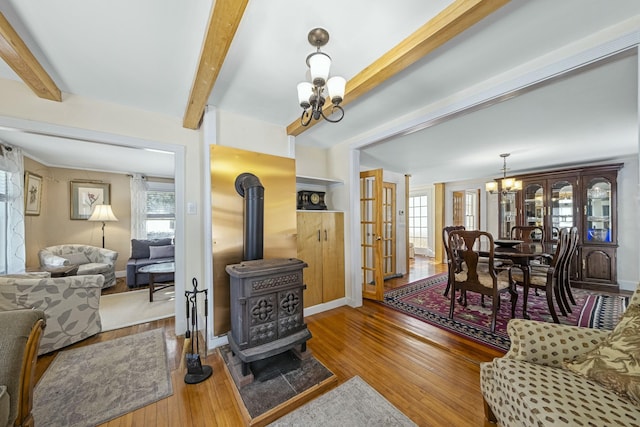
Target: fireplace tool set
{"type": "Point", "coordinates": [196, 372]}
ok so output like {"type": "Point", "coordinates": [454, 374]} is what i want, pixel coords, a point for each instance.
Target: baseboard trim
{"type": "Point", "coordinates": [319, 308]}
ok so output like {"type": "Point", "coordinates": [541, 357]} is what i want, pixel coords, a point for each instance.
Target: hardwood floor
{"type": "Point", "coordinates": [430, 375]}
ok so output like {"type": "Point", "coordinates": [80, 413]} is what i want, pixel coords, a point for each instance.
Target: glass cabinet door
{"type": "Point", "coordinates": [562, 207]}
{"type": "Point", "coordinates": [598, 210]}
{"type": "Point", "coordinates": [508, 214]}
{"type": "Point", "coordinates": [533, 204]}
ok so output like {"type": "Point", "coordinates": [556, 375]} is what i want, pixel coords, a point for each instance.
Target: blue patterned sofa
{"type": "Point", "coordinates": [70, 304]}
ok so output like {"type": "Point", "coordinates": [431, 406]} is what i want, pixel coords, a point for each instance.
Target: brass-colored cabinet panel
{"type": "Point", "coordinates": [277, 175]}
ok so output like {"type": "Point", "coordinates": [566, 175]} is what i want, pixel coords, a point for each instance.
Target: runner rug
{"type": "Point", "coordinates": [90, 385]}
{"type": "Point", "coordinates": [424, 300]}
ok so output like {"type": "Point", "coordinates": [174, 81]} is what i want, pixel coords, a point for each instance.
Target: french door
{"type": "Point", "coordinates": [371, 221]}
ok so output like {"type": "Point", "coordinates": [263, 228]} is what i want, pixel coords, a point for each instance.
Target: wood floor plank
{"type": "Point", "coordinates": [429, 374]}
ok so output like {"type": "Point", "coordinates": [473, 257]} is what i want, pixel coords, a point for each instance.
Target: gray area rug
{"type": "Point", "coordinates": [94, 384]}
{"type": "Point", "coordinates": [353, 403]}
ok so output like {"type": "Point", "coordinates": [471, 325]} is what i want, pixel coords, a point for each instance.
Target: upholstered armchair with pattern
{"type": "Point", "coordinates": [89, 259]}
{"type": "Point", "coordinates": [70, 305]}
{"type": "Point", "coordinates": [556, 374]}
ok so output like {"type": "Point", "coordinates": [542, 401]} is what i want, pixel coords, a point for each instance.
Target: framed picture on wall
{"type": "Point", "coordinates": [32, 193]}
{"type": "Point", "coordinates": [85, 195]}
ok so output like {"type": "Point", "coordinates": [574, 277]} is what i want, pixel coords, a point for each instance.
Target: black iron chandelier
{"type": "Point", "coordinates": [312, 96]}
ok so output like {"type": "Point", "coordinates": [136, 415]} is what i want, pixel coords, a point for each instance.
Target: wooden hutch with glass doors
{"type": "Point", "coordinates": [584, 197]}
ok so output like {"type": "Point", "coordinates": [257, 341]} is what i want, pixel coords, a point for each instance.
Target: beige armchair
{"type": "Point", "coordinates": [20, 333]}
{"type": "Point", "coordinates": [89, 259]}
{"type": "Point", "coordinates": [557, 374]}
{"type": "Point", "coordinates": [70, 305]}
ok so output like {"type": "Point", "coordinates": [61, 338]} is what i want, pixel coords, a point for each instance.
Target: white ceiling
{"type": "Point", "coordinates": [144, 54]}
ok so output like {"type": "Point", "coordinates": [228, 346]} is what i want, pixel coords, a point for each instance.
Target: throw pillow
{"type": "Point", "coordinates": [77, 258]}
{"type": "Point", "coordinates": [615, 364]}
{"type": "Point", "coordinates": [161, 251]}
{"type": "Point", "coordinates": [140, 248]}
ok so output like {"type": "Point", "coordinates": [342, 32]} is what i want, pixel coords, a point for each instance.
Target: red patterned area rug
{"type": "Point", "coordinates": [424, 300]}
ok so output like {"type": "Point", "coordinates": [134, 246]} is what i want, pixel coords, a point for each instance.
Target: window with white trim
{"type": "Point", "coordinates": [161, 210]}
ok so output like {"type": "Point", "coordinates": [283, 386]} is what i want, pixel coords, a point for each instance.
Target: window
{"type": "Point", "coordinates": [471, 208]}
{"type": "Point", "coordinates": [419, 221]}
{"type": "Point", "coordinates": [161, 208]}
{"type": "Point", "coordinates": [4, 199]}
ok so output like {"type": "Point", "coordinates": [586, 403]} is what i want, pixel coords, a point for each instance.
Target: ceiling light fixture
{"type": "Point", "coordinates": [508, 185]}
{"type": "Point", "coordinates": [312, 96]}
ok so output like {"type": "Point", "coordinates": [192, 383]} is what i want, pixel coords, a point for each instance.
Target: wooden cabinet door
{"type": "Point", "coordinates": [310, 251]}
{"type": "Point", "coordinates": [332, 256]}
{"type": "Point", "coordinates": [321, 246]}
{"type": "Point", "coordinates": [598, 264]}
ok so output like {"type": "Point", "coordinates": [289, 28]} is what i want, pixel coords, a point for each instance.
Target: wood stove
{"type": "Point", "coordinates": [266, 294]}
{"type": "Point", "coordinates": [266, 309]}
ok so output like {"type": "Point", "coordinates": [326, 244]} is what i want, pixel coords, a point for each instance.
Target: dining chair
{"type": "Point", "coordinates": [455, 263]}
{"type": "Point", "coordinates": [527, 233]}
{"type": "Point", "coordinates": [531, 234]}
{"type": "Point", "coordinates": [548, 279]}
{"type": "Point", "coordinates": [472, 277]}
{"type": "Point", "coordinates": [574, 237]}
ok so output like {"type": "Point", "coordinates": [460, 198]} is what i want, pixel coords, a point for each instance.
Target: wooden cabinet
{"type": "Point", "coordinates": [321, 245]}
{"type": "Point", "coordinates": [582, 197]}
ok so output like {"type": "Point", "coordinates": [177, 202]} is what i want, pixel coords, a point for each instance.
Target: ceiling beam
{"type": "Point", "coordinates": [223, 23]}
{"type": "Point", "coordinates": [18, 56]}
{"type": "Point", "coordinates": [456, 18]}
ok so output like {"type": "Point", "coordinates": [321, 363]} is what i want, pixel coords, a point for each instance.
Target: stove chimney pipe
{"type": "Point", "coordinates": [249, 187]}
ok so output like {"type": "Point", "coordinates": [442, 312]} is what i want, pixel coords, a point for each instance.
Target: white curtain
{"type": "Point", "coordinates": [12, 163]}
{"type": "Point", "coordinates": [138, 187]}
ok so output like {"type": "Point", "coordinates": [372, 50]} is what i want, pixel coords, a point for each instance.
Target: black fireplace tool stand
{"type": "Point", "coordinates": [196, 372]}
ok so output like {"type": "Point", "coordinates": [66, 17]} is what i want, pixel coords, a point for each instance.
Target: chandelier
{"type": "Point", "coordinates": [508, 185]}
{"type": "Point", "coordinates": [312, 96]}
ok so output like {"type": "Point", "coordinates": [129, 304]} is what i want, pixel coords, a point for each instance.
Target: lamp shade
{"type": "Point", "coordinates": [305, 90]}
{"type": "Point", "coordinates": [491, 187]}
{"type": "Point", "coordinates": [102, 213]}
{"type": "Point", "coordinates": [335, 86]}
{"type": "Point", "coordinates": [511, 184]}
{"type": "Point", "coordinates": [319, 64]}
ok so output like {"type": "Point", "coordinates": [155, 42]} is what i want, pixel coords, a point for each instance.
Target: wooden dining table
{"type": "Point", "coordinates": [521, 255]}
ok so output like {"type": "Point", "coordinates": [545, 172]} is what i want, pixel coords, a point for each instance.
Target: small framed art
{"type": "Point", "coordinates": [85, 195]}
{"type": "Point", "coordinates": [32, 193]}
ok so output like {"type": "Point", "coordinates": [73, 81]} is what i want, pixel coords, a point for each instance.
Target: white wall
{"type": "Point", "coordinates": [246, 133]}
{"type": "Point", "coordinates": [113, 123]}
{"type": "Point", "coordinates": [628, 244]}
